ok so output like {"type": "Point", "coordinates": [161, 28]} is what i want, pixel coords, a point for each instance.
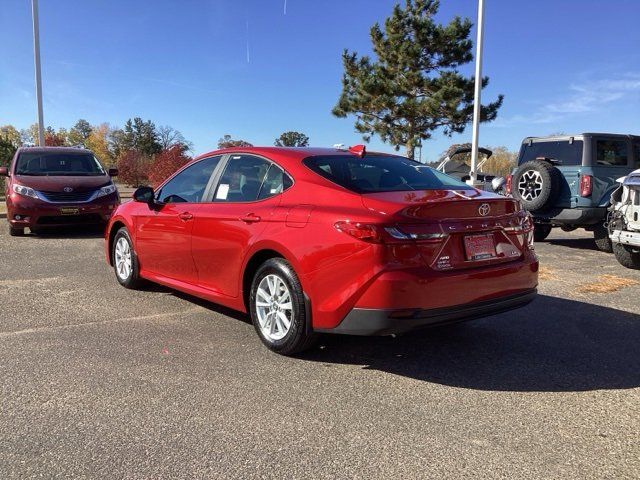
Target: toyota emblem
{"type": "Point", "coordinates": [68, 189]}
{"type": "Point", "coordinates": [484, 209]}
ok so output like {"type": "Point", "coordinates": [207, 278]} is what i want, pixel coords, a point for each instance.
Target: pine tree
{"type": "Point", "coordinates": [292, 139]}
{"type": "Point", "coordinates": [413, 87]}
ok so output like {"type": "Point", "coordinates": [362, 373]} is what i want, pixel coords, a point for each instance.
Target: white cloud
{"type": "Point", "coordinates": [588, 96]}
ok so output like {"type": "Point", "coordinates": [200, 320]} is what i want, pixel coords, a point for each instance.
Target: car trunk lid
{"type": "Point", "coordinates": [455, 229]}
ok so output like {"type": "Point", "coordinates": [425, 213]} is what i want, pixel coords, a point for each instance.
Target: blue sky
{"type": "Point", "coordinates": [569, 66]}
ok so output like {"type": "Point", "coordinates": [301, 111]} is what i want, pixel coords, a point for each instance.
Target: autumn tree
{"type": "Point", "coordinates": [292, 139]}
{"type": "Point", "coordinates": [53, 138]}
{"type": "Point", "coordinates": [166, 163]}
{"type": "Point", "coordinates": [413, 86]}
{"type": "Point", "coordinates": [10, 141]}
{"type": "Point", "coordinates": [79, 133]}
{"type": "Point", "coordinates": [133, 168]}
{"type": "Point", "coordinates": [98, 143]}
{"type": "Point", "coordinates": [228, 142]}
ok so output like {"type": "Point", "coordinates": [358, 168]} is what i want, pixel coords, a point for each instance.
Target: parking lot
{"type": "Point", "coordinates": [102, 382]}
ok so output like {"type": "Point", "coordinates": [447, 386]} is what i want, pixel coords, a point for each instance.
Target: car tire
{"type": "Point", "coordinates": [537, 185]}
{"type": "Point", "coordinates": [125, 260]}
{"type": "Point", "coordinates": [16, 232]}
{"type": "Point", "coordinates": [626, 256]}
{"type": "Point", "coordinates": [602, 240]}
{"type": "Point", "coordinates": [277, 308]}
{"type": "Point", "coordinates": [541, 231]}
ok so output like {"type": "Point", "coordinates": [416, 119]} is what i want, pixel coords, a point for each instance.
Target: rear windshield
{"type": "Point", "coordinates": [562, 151]}
{"type": "Point", "coordinates": [50, 164]}
{"type": "Point", "coordinates": [377, 173]}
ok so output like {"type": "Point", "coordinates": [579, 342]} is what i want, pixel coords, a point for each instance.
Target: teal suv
{"type": "Point", "coordinates": [566, 181]}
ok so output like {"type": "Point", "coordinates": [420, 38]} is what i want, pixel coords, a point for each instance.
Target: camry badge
{"type": "Point", "coordinates": [484, 209]}
{"type": "Point", "coordinates": [68, 189]}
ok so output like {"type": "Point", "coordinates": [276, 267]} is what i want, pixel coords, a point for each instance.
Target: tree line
{"type": "Point", "coordinates": [143, 152]}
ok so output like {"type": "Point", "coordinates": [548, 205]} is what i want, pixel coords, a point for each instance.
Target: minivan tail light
{"type": "Point", "coordinates": [509, 184]}
{"type": "Point", "coordinates": [586, 185]}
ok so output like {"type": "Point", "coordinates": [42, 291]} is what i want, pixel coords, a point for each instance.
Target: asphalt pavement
{"type": "Point", "coordinates": [97, 381]}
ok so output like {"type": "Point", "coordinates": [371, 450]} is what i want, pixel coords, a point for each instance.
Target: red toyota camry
{"type": "Point", "coordinates": [326, 240]}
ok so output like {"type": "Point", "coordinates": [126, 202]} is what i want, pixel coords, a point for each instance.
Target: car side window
{"type": "Point", "coordinates": [242, 179]}
{"type": "Point", "coordinates": [276, 181]}
{"type": "Point", "coordinates": [612, 152]}
{"type": "Point", "coordinates": [190, 184]}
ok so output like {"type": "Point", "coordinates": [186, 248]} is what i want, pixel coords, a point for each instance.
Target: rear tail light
{"type": "Point", "coordinates": [362, 231]}
{"type": "Point", "coordinates": [509, 184]}
{"type": "Point", "coordinates": [586, 185]}
{"type": "Point", "coordinates": [371, 233]}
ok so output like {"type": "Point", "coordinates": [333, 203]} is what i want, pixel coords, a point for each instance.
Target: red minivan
{"type": "Point", "coordinates": [326, 240]}
{"type": "Point", "coordinates": [57, 186]}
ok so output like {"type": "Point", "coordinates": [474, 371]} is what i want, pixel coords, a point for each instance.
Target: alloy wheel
{"type": "Point", "coordinates": [530, 185]}
{"type": "Point", "coordinates": [123, 261]}
{"type": "Point", "coordinates": [273, 307]}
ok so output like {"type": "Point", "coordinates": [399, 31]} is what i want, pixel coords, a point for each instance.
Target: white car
{"type": "Point", "coordinates": [624, 220]}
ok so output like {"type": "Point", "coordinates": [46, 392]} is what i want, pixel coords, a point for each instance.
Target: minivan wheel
{"type": "Point", "coordinates": [125, 261]}
{"type": "Point", "coordinates": [602, 240]}
{"type": "Point", "coordinates": [16, 232]}
{"type": "Point", "coordinates": [626, 256]}
{"type": "Point", "coordinates": [541, 231]}
{"type": "Point", "coordinates": [277, 308]}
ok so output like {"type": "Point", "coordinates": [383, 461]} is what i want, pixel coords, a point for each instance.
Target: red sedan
{"type": "Point", "coordinates": [325, 240]}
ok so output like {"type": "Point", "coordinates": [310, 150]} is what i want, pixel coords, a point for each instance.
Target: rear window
{"type": "Point", "coordinates": [376, 173]}
{"type": "Point", "coordinates": [43, 164]}
{"type": "Point", "coordinates": [612, 153]}
{"type": "Point", "coordinates": [563, 152]}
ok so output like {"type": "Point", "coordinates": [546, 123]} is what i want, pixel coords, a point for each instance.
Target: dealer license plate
{"type": "Point", "coordinates": [69, 211]}
{"type": "Point", "coordinates": [479, 247]}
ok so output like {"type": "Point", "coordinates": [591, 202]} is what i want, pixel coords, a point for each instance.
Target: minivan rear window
{"type": "Point", "coordinates": [54, 164]}
{"type": "Point", "coordinates": [381, 173]}
{"type": "Point", "coordinates": [564, 152]}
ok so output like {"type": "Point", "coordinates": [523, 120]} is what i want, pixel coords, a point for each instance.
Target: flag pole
{"type": "Point", "coordinates": [36, 55]}
{"type": "Point", "coordinates": [478, 89]}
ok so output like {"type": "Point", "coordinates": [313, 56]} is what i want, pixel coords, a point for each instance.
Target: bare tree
{"type": "Point", "coordinates": [170, 137]}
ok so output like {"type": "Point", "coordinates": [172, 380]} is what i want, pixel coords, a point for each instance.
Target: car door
{"type": "Point", "coordinates": [240, 209]}
{"type": "Point", "coordinates": [163, 232]}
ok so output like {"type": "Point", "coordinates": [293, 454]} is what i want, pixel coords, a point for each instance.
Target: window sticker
{"type": "Point", "coordinates": [223, 191]}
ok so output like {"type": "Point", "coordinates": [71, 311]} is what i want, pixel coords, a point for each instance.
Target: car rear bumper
{"type": "Point", "coordinates": [366, 321]}
{"type": "Point", "coordinates": [572, 216]}
{"type": "Point", "coordinates": [28, 213]}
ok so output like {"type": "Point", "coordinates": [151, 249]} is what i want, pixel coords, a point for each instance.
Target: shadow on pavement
{"type": "Point", "coordinates": [553, 345]}
{"type": "Point", "coordinates": [580, 243]}
{"type": "Point", "coordinates": [92, 231]}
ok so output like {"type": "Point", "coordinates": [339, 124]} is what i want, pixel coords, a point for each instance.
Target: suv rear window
{"type": "Point", "coordinates": [612, 152]}
{"type": "Point", "coordinates": [564, 152]}
{"type": "Point", "coordinates": [54, 164]}
{"type": "Point", "coordinates": [378, 173]}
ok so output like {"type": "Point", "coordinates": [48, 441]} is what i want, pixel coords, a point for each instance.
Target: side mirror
{"type": "Point", "coordinates": [144, 195]}
{"type": "Point", "coordinates": [113, 172]}
{"type": "Point", "coordinates": [4, 172]}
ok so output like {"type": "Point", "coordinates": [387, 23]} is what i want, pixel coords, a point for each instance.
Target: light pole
{"type": "Point", "coordinates": [478, 89]}
{"type": "Point", "coordinates": [36, 56]}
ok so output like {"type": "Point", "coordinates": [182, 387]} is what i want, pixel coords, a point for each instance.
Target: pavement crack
{"type": "Point", "coordinates": [102, 322]}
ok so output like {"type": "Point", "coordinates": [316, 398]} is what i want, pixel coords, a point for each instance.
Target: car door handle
{"type": "Point", "coordinates": [185, 216]}
{"type": "Point", "coordinates": [250, 218]}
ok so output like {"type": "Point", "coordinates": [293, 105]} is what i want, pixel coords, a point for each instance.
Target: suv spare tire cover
{"type": "Point", "coordinates": [537, 185]}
